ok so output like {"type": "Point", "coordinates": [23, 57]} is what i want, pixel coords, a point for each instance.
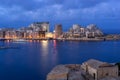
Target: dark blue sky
{"type": "Point", "coordinates": [17, 13]}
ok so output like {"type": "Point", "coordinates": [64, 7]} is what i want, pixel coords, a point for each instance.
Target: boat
{"type": "Point", "coordinates": [19, 40]}
{"type": "Point", "coordinates": [8, 47]}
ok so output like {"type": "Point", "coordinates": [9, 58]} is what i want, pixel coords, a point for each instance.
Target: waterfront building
{"type": "Point", "coordinates": [71, 30]}
{"type": "Point", "coordinates": [49, 35]}
{"type": "Point", "coordinates": [93, 31]}
{"type": "Point", "coordinates": [28, 33]}
{"type": "Point", "coordinates": [76, 28]}
{"type": "Point", "coordinates": [77, 31]}
{"type": "Point", "coordinates": [40, 26]}
{"type": "Point", "coordinates": [2, 33]}
{"type": "Point", "coordinates": [82, 30]}
{"type": "Point", "coordinates": [10, 33]}
{"type": "Point", "coordinates": [19, 34]}
{"type": "Point", "coordinates": [41, 34]}
{"type": "Point", "coordinates": [90, 34]}
{"type": "Point", "coordinates": [99, 70]}
{"type": "Point", "coordinates": [92, 27]}
{"type": "Point", "coordinates": [39, 29]}
{"type": "Point", "coordinates": [58, 30]}
{"type": "Point", "coordinates": [34, 31]}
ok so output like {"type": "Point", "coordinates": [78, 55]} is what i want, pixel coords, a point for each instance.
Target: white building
{"type": "Point", "coordinates": [40, 26]}
{"type": "Point", "coordinates": [99, 70]}
{"type": "Point", "coordinates": [76, 28]}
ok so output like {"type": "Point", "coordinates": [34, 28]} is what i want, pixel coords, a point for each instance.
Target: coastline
{"type": "Point", "coordinates": [69, 39]}
{"type": "Point", "coordinates": [85, 71]}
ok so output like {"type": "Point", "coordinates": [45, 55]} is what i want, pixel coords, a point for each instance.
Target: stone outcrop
{"type": "Point", "coordinates": [65, 72]}
{"type": "Point", "coordinates": [89, 70]}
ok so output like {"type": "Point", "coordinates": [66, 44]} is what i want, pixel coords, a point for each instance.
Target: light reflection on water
{"type": "Point", "coordinates": [35, 59]}
{"type": "Point", "coordinates": [44, 47]}
{"type": "Point", "coordinates": [47, 50]}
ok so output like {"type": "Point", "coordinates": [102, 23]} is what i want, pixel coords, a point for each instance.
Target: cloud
{"type": "Point", "coordinates": [53, 10]}
{"type": "Point", "coordinates": [35, 4]}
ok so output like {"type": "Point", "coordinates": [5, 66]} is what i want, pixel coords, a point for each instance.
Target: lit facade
{"type": "Point", "coordinates": [58, 30]}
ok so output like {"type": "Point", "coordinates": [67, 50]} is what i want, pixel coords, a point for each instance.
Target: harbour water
{"type": "Point", "coordinates": [34, 59]}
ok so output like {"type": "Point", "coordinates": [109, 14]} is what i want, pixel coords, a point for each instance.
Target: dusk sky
{"type": "Point", "coordinates": [17, 13]}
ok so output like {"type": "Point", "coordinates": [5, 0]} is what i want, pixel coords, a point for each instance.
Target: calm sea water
{"type": "Point", "coordinates": [33, 60]}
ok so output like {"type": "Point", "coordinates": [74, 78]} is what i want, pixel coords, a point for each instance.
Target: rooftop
{"type": "Point", "coordinates": [60, 69]}
{"type": "Point", "coordinates": [97, 64]}
{"type": "Point", "coordinates": [41, 23]}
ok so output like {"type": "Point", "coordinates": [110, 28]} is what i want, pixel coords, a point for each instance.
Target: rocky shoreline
{"type": "Point", "coordinates": [104, 38]}
{"type": "Point", "coordinates": [89, 70]}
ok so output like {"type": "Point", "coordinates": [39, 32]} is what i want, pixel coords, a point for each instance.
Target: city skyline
{"type": "Point", "coordinates": [18, 13]}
